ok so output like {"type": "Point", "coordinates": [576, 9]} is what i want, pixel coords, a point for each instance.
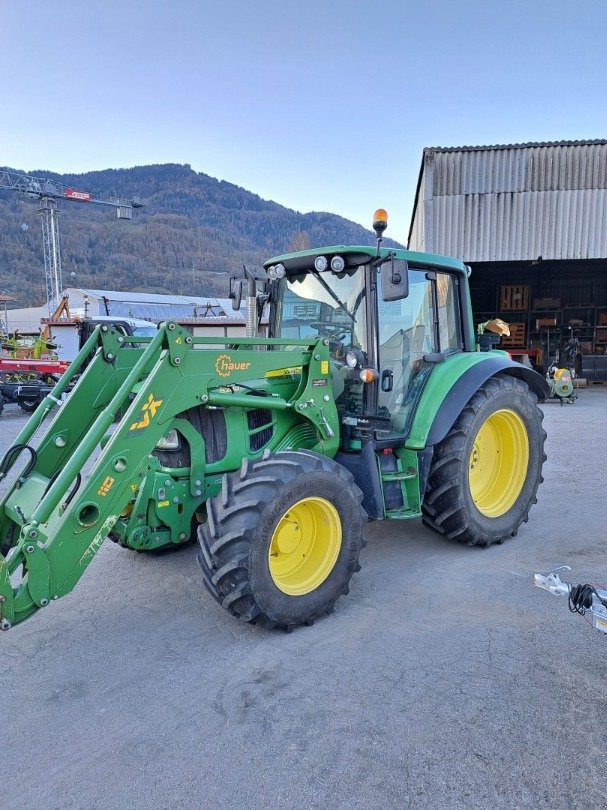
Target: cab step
{"type": "Point", "coordinates": [399, 475]}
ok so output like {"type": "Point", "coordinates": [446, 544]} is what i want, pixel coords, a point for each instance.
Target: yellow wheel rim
{"type": "Point", "coordinates": [305, 546]}
{"type": "Point", "coordinates": [498, 463]}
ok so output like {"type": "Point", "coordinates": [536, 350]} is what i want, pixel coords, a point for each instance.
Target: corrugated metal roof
{"type": "Point", "coordinates": [512, 203]}
{"type": "Point", "coordinates": [146, 298]}
{"type": "Point", "coordinates": [164, 312]}
{"type": "Point", "coordinates": [147, 306]}
{"type": "Point", "coordinates": [155, 307]}
{"type": "Point", "coordinates": [513, 145]}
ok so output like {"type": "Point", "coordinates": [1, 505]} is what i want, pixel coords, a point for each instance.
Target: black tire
{"type": "Point", "coordinates": [28, 405]}
{"type": "Point", "coordinates": [448, 507]}
{"type": "Point", "coordinates": [235, 540]}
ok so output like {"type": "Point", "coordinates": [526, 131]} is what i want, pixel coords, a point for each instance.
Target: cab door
{"type": "Point", "coordinates": [415, 333]}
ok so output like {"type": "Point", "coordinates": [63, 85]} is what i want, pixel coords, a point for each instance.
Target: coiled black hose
{"type": "Point", "coordinates": [580, 598]}
{"type": "Point", "coordinates": [11, 456]}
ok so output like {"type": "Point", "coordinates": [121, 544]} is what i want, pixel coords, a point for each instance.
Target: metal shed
{"type": "Point", "coordinates": [152, 306]}
{"type": "Point", "coordinates": [147, 306]}
{"type": "Point", "coordinates": [531, 221]}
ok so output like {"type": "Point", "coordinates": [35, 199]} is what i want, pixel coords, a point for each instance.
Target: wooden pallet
{"type": "Point", "coordinates": [514, 297]}
{"type": "Point", "coordinates": [516, 339]}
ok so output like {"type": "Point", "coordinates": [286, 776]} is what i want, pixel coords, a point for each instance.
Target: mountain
{"type": "Point", "coordinates": [191, 234]}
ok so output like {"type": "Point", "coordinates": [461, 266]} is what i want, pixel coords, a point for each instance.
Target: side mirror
{"type": "Point", "coordinates": [235, 292]}
{"type": "Point", "coordinates": [394, 279]}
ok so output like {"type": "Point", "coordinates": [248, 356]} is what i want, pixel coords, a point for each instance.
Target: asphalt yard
{"type": "Point", "coordinates": [444, 680]}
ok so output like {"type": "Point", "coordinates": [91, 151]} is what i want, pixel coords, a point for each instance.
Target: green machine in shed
{"type": "Point", "coordinates": [369, 399]}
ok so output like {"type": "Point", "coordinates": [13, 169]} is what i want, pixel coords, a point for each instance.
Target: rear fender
{"type": "Point", "coordinates": [447, 394]}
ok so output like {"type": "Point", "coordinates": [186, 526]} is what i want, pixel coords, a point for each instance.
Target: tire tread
{"type": "Point", "coordinates": [444, 508]}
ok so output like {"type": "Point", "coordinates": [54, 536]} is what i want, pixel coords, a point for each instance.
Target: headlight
{"type": "Point", "coordinates": [170, 441]}
{"type": "Point", "coordinates": [337, 264]}
{"type": "Point", "coordinates": [280, 271]}
{"type": "Point", "coordinates": [354, 358]}
{"type": "Point", "coordinates": [321, 263]}
{"type": "Point", "coordinates": [272, 273]}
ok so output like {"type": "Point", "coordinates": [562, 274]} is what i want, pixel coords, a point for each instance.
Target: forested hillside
{"type": "Point", "coordinates": [192, 231]}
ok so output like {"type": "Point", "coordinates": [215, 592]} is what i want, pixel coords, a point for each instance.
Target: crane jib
{"type": "Point", "coordinates": [81, 196]}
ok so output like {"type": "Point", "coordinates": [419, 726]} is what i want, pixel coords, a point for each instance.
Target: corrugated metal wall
{"type": "Point", "coordinates": [513, 203]}
{"type": "Point", "coordinates": [416, 237]}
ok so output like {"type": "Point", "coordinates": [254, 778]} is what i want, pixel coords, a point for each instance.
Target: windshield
{"type": "Point", "coordinates": [314, 304]}
{"type": "Point", "coordinates": [145, 331]}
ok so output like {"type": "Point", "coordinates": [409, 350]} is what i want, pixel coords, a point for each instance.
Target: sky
{"type": "Point", "coordinates": [319, 106]}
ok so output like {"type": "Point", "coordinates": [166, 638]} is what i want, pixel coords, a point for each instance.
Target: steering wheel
{"type": "Point", "coordinates": [331, 330]}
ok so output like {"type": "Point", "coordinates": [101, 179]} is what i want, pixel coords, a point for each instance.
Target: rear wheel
{"type": "Point", "coordinates": [282, 539]}
{"type": "Point", "coordinates": [485, 473]}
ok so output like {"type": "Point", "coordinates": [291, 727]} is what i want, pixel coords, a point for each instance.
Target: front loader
{"type": "Point", "coordinates": [368, 400]}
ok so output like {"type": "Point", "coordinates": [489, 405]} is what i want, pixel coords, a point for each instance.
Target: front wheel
{"type": "Point", "coordinates": [486, 472]}
{"type": "Point", "coordinates": [282, 538]}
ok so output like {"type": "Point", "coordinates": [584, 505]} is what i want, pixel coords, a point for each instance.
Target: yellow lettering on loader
{"type": "Point", "coordinates": [148, 411]}
{"type": "Point", "coordinates": [105, 487]}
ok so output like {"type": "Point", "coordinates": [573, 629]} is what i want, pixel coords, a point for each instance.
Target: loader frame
{"type": "Point", "coordinates": [53, 521]}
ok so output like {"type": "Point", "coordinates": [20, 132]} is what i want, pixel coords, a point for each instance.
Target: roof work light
{"type": "Point", "coordinates": [380, 221]}
{"type": "Point", "coordinates": [337, 264]}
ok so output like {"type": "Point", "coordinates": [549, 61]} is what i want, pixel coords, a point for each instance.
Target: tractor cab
{"type": "Point", "coordinates": [388, 316]}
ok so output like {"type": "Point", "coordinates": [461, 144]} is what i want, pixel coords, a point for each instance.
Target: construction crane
{"type": "Point", "coordinates": [49, 193]}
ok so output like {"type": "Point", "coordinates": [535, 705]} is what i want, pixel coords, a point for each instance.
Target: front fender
{"type": "Point", "coordinates": [453, 383]}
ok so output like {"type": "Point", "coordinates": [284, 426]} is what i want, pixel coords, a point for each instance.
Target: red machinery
{"type": "Point", "coordinates": [10, 365]}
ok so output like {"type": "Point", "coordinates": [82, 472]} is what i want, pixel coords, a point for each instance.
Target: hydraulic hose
{"type": "Point", "coordinates": [11, 456]}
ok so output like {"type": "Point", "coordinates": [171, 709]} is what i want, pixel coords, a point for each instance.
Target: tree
{"type": "Point", "coordinates": [299, 241]}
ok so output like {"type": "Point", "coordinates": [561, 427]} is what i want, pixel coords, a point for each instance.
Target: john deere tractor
{"type": "Point", "coordinates": [369, 399]}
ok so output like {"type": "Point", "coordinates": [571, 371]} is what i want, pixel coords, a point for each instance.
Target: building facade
{"type": "Point", "coordinates": [531, 221]}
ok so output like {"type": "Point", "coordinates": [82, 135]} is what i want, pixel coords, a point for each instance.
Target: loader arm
{"type": "Point", "coordinates": [57, 513]}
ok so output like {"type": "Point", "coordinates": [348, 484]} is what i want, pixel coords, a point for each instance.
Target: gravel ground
{"type": "Point", "coordinates": [444, 680]}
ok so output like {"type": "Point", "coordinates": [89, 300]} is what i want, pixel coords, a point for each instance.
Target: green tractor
{"type": "Point", "coordinates": [370, 399]}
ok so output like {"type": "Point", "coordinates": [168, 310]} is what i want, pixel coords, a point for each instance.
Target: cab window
{"type": "Point", "coordinates": [427, 322]}
{"type": "Point", "coordinates": [407, 332]}
{"type": "Point", "coordinates": [449, 322]}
